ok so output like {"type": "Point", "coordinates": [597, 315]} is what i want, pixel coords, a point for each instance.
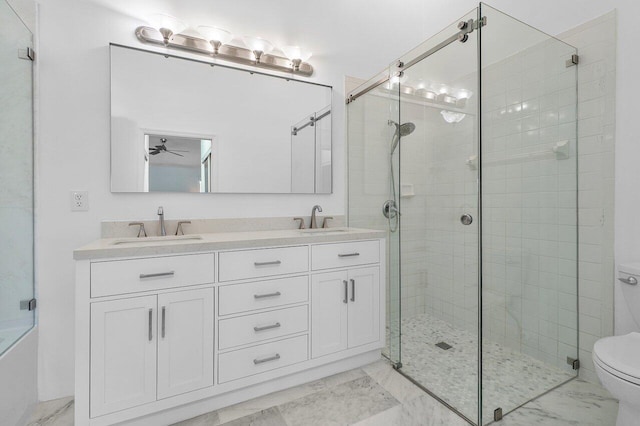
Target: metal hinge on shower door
{"type": "Point", "coordinates": [27, 53]}
{"type": "Point", "coordinates": [28, 305]}
{"type": "Point", "coordinates": [573, 362]}
{"type": "Point", "coordinates": [574, 60]}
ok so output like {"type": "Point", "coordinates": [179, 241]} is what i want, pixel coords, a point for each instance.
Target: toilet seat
{"type": "Point", "coordinates": [619, 356]}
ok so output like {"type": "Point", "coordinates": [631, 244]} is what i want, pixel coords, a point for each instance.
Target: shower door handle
{"type": "Point", "coordinates": [466, 219]}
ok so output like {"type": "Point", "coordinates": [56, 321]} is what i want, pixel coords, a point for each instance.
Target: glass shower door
{"type": "Point", "coordinates": [438, 151]}
{"type": "Point", "coordinates": [370, 187]}
{"type": "Point", "coordinates": [529, 213]}
{"type": "Point", "coordinates": [16, 176]}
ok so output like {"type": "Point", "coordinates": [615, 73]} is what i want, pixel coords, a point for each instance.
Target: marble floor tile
{"type": "Point", "coordinates": [377, 395]}
{"type": "Point", "coordinates": [575, 403]}
{"type": "Point", "coordinates": [396, 384]}
{"type": "Point", "coordinates": [422, 410]}
{"type": "Point", "coordinates": [344, 404]}
{"type": "Point", "coordinates": [58, 412]}
{"type": "Point", "coordinates": [208, 419]}
{"type": "Point", "coordinates": [277, 398]}
{"type": "Point", "coordinates": [268, 417]}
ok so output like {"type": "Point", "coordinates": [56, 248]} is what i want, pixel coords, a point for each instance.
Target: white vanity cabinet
{"type": "Point", "coordinates": [346, 303]}
{"type": "Point", "coordinates": [150, 347]}
{"type": "Point", "coordinates": [123, 354]}
{"type": "Point", "coordinates": [166, 336]}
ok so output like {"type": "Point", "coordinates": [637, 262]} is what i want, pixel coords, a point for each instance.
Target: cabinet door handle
{"type": "Point", "coordinates": [346, 291]}
{"type": "Point", "coordinates": [262, 296]}
{"type": "Point", "coordinates": [349, 254]}
{"type": "Point", "coordinates": [267, 327]}
{"type": "Point", "coordinates": [353, 290]}
{"type": "Point", "coordinates": [151, 324]}
{"type": "Point", "coordinates": [273, 262]}
{"type": "Point", "coordinates": [157, 275]}
{"type": "Point", "coordinates": [271, 358]}
{"type": "Point", "coordinates": [163, 320]}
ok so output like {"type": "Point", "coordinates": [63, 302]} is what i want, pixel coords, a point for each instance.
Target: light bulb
{"type": "Point", "coordinates": [167, 25]}
{"type": "Point", "coordinates": [258, 46]}
{"type": "Point", "coordinates": [216, 36]}
{"type": "Point", "coordinates": [296, 55]}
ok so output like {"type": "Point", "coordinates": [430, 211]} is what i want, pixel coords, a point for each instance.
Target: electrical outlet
{"type": "Point", "coordinates": [79, 201]}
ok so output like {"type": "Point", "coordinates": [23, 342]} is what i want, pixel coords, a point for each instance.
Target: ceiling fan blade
{"type": "Point", "coordinates": [174, 153]}
{"type": "Point", "coordinates": [154, 152]}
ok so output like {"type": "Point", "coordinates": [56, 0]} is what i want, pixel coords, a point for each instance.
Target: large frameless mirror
{"type": "Point", "coordinates": [180, 125]}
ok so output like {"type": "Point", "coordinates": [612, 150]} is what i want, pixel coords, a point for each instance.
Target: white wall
{"type": "Point", "coordinates": [356, 38]}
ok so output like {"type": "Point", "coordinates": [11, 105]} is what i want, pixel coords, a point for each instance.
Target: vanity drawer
{"type": "Point", "coordinates": [238, 265]}
{"type": "Point", "coordinates": [325, 256]}
{"type": "Point", "coordinates": [258, 359]}
{"type": "Point", "coordinates": [245, 297]}
{"type": "Point", "coordinates": [257, 328]}
{"type": "Point", "coordinates": [135, 275]}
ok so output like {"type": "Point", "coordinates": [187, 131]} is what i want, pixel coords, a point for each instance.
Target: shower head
{"type": "Point", "coordinates": [401, 130]}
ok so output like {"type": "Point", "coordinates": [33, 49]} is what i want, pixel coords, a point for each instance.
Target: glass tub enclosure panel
{"type": "Point", "coordinates": [16, 175]}
{"type": "Point", "coordinates": [529, 216]}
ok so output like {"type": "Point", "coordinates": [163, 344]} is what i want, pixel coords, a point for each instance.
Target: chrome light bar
{"type": "Point", "coordinates": [226, 52]}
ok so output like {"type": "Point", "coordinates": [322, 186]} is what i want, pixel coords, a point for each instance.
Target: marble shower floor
{"type": "Point", "coordinates": [510, 378]}
{"type": "Point", "coordinates": [377, 395]}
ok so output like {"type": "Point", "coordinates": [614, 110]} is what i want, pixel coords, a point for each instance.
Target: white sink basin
{"type": "Point", "coordinates": [322, 231]}
{"type": "Point", "coordinates": [155, 240]}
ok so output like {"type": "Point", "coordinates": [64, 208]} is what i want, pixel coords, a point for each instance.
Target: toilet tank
{"type": "Point", "coordinates": [629, 285]}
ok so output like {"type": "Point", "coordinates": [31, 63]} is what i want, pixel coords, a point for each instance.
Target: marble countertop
{"type": "Point", "coordinates": [129, 247]}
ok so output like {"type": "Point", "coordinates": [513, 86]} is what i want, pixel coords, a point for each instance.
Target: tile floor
{"type": "Point", "coordinates": [510, 378]}
{"type": "Point", "coordinates": [377, 395]}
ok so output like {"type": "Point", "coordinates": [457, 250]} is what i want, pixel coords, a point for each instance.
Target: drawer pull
{"type": "Point", "coordinates": [263, 360]}
{"type": "Point", "coordinates": [267, 327]}
{"type": "Point", "coordinates": [150, 324]}
{"type": "Point", "coordinates": [346, 291]}
{"type": "Point", "coordinates": [262, 296]}
{"type": "Point", "coordinates": [274, 262]}
{"type": "Point", "coordinates": [349, 254]}
{"type": "Point", "coordinates": [159, 274]}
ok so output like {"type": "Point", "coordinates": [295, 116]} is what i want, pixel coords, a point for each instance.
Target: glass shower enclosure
{"type": "Point", "coordinates": [464, 150]}
{"type": "Point", "coordinates": [16, 176]}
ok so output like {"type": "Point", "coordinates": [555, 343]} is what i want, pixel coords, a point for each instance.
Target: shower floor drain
{"type": "Point", "coordinates": [443, 345]}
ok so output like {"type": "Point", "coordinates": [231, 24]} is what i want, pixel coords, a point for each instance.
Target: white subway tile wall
{"type": "Point", "coordinates": [596, 43]}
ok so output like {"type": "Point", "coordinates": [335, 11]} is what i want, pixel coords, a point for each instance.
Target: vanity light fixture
{"type": "Point", "coordinates": [167, 25]}
{"type": "Point", "coordinates": [258, 46]}
{"type": "Point", "coordinates": [214, 42]}
{"type": "Point", "coordinates": [296, 55]}
{"type": "Point", "coordinates": [216, 36]}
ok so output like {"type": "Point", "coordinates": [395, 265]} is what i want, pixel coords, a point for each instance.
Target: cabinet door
{"type": "Point", "coordinates": [123, 354]}
{"type": "Point", "coordinates": [328, 313]}
{"type": "Point", "coordinates": [364, 306]}
{"type": "Point", "coordinates": [185, 341]}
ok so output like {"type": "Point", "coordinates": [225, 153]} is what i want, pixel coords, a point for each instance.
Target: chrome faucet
{"type": "Point", "coordinates": [163, 231]}
{"type": "Point", "coordinates": [314, 224]}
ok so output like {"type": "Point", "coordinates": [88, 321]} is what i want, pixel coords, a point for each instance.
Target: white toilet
{"type": "Point", "coordinates": [617, 358]}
